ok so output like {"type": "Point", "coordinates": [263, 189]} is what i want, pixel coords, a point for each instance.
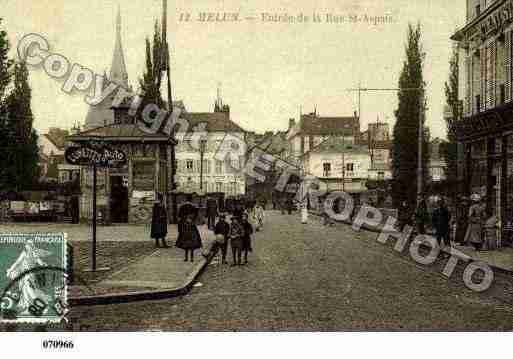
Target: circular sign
{"type": "Point", "coordinates": [101, 157]}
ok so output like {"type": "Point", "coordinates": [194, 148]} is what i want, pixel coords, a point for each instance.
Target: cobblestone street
{"type": "Point", "coordinates": [310, 277]}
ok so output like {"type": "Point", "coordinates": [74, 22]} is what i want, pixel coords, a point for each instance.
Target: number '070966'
{"type": "Point", "coordinates": [58, 344]}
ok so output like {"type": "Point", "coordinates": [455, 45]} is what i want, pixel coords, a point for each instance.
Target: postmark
{"type": "Point", "coordinates": [33, 280]}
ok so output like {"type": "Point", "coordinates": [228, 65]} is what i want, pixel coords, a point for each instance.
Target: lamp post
{"type": "Point", "coordinates": [203, 145]}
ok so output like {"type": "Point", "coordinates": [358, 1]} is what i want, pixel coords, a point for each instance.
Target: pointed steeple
{"type": "Point", "coordinates": [118, 73]}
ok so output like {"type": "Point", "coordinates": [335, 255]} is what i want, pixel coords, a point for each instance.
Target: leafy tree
{"type": "Point", "coordinates": [450, 148]}
{"type": "Point", "coordinates": [151, 81]}
{"type": "Point", "coordinates": [411, 108]}
{"type": "Point", "coordinates": [22, 163]}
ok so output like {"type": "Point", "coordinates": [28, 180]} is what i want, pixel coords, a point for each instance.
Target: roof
{"type": "Point", "coordinates": [118, 132]}
{"type": "Point", "coordinates": [215, 121]}
{"type": "Point", "coordinates": [57, 142]}
{"type": "Point", "coordinates": [338, 146]}
{"type": "Point", "coordinates": [315, 125]}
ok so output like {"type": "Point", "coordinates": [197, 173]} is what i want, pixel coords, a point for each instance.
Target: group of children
{"type": "Point", "coordinates": [238, 233]}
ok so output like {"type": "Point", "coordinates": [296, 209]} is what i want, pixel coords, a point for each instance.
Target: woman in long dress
{"type": "Point", "coordinates": [475, 226]}
{"type": "Point", "coordinates": [236, 240]}
{"type": "Point", "coordinates": [28, 286]}
{"type": "Point", "coordinates": [259, 217]}
{"type": "Point", "coordinates": [189, 237]}
{"type": "Point", "coordinates": [159, 222]}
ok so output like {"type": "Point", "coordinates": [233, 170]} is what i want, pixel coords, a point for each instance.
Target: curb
{"type": "Point", "coordinates": [446, 251]}
{"type": "Point", "coordinates": [118, 298]}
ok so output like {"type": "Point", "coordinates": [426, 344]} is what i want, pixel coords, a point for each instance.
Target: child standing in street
{"type": "Point", "coordinates": [246, 240]}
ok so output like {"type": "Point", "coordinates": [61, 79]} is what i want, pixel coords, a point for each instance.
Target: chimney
{"type": "Point", "coordinates": [292, 123]}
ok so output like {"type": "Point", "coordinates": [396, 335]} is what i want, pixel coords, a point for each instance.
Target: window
{"type": "Point", "coordinates": [478, 103]}
{"type": "Point", "coordinates": [219, 167]}
{"type": "Point", "coordinates": [350, 167]}
{"type": "Point", "coordinates": [381, 176]}
{"type": "Point", "coordinates": [478, 9]}
{"type": "Point", "coordinates": [189, 165]}
{"type": "Point", "coordinates": [502, 94]}
{"type": "Point", "coordinates": [326, 169]}
{"type": "Point", "coordinates": [219, 186]}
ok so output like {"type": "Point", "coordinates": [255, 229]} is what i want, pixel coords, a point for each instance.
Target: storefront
{"type": "Point", "coordinates": [126, 194]}
{"type": "Point", "coordinates": [487, 166]}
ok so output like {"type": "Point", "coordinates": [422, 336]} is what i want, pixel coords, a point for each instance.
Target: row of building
{"type": "Point", "coordinates": [484, 125]}
{"type": "Point", "coordinates": [333, 149]}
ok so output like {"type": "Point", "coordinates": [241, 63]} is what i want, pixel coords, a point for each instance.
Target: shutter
{"type": "Point", "coordinates": [507, 66]}
{"type": "Point", "coordinates": [468, 89]}
{"type": "Point", "coordinates": [484, 79]}
{"type": "Point", "coordinates": [493, 74]}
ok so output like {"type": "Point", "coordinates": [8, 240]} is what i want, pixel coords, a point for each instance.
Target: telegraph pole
{"type": "Point", "coordinates": [172, 140]}
{"type": "Point", "coordinates": [421, 126]}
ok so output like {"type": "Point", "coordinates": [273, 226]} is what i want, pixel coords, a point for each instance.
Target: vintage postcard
{"type": "Point", "coordinates": [256, 166]}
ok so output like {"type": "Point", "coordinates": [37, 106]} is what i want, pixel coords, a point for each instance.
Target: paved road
{"type": "Point", "coordinates": [309, 277]}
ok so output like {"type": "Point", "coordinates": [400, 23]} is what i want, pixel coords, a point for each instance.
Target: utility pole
{"type": "Point", "coordinates": [172, 139]}
{"type": "Point", "coordinates": [420, 140]}
{"type": "Point", "coordinates": [203, 143]}
{"type": "Point", "coordinates": [420, 137]}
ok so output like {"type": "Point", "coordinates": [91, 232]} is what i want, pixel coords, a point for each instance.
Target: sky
{"type": "Point", "coordinates": [268, 71]}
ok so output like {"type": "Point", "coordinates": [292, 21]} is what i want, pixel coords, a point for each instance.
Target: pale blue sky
{"type": "Point", "coordinates": [267, 70]}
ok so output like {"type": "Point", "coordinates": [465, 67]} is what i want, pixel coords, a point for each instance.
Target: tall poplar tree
{"type": "Point", "coordinates": [151, 81]}
{"type": "Point", "coordinates": [22, 166]}
{"type": "Point", "coordinates": [411, 110]}
{"type": "Point", "coordinates": [450, 148]}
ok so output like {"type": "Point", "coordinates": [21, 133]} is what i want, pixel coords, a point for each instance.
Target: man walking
{"type": "Point", "coordinates": [441, 220]}
{"type": "Point", "coordinates": [421, 214]}
{"type": "Point", "coordinates": [222, 231]}
{"type": "Point", "coordinates": [211, 212]}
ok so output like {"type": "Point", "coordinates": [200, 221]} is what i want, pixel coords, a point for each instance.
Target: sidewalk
{"type": "Point", "coordinates": [162, 273]}
{"type": "Point", "coordinates": [83, 232]}
{"type": "Point", "coordinates": [501, 258]}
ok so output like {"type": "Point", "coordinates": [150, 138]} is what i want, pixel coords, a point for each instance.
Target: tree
{"type": "Point", "coordinates": [449, 149]}
{"type": "Point", "coordinates": [152, 77]}
{"type": "Point", "coordinates": [21, 165]}
{"type": "Point", "coordinates": [411, 108]}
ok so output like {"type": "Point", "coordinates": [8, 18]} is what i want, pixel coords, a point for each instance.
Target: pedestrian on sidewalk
{"type": "Point", "coordinates": [404, 215]}
{"type": "Point", "coordinates": [421, 215]}
{"type": "Point", "coordinates": [189, 237]}
{"type": "Point", "coordinates": [246, 239]}
{"type": "Point", "coordinates": [462, 210]}
{"type": "Point", "coordinates": [236, 237]}
{"type": "Point", "coordinates": [259, 217]}
{"type": "Point", "coordinates": [222, 232]}
{"type": "Point", "coordinates": [441, 221]}
{"type": "Point", "coordinates": [211, 212]}
{"type": "Point", "coordinates": [159, 222]}
{"type": "Point", "coordinates": [289, 205]}
{"type": "Point", "coordinates": [474, 234]}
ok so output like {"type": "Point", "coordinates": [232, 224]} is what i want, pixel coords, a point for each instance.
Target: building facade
{"type": "Point", "coordinates": [485, 130]}
{"type": "Point", "coordinates": [214, 175]}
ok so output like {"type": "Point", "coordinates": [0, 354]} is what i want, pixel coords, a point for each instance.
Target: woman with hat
{"type": "Point", "coordinates": [236, 240]}
{"type": "Point", "coordinates": [189, 237]}
{"type": "Point", "coordinates": [474, 234]}
{"type": "Point", "coordinates": [159, 222]}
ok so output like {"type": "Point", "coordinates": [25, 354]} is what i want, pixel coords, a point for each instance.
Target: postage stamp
{"type": "Point", "coordinates": [33, 277]}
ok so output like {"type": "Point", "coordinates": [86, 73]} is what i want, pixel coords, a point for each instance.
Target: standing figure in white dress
{"type": "Point", "coordinates": [28, 286]}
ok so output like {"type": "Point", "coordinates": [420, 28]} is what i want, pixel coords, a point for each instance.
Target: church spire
{"type": "Point", "coordinates": [118, 73]}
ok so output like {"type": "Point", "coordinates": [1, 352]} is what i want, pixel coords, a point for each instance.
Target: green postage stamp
{"type": "Point", "coordinates": [33, 277]}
